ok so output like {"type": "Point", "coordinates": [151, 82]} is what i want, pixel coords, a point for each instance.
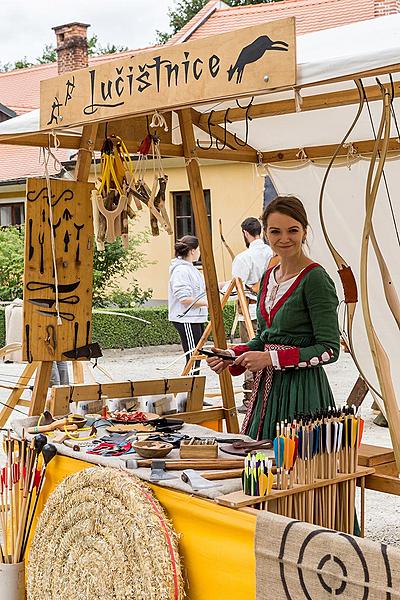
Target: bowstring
{"type": "Point", "coordinates": [383, 172]}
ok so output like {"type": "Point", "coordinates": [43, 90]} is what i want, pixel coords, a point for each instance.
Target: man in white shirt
{"type": "Point", "coordinates": [250, 265]}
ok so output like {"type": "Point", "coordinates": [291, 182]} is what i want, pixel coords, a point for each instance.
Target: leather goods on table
{"type": "Point", "coordinates": [242, 448]}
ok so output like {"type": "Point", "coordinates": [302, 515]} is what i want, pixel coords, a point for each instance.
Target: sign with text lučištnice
{"type": "Point", "coordinates": [240, 63]}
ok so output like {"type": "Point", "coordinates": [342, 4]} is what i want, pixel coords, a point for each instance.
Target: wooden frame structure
{"type": "Point", "coordinates": [239, 150]}
{"type": "Point", "coordinates": [194, 385]}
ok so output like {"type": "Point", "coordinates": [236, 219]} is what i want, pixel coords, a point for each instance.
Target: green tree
{"type": "Point", "coordinates": [115, 263]}
{"type": "Point", "coordinates": [187, 9]}
{"type": "Point", "coordinates": [49, 55]}
{"type": "Point", "coordinates": [11, 262]}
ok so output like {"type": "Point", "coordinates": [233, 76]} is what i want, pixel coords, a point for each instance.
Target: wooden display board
{"type": "Point", "coordinates": [239, 63]}
{"type": "Point", "coordinates": [44, 339]}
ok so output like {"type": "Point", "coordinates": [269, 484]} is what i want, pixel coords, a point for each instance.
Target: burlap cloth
{"type": "Point", "coordinates": [296, 561]}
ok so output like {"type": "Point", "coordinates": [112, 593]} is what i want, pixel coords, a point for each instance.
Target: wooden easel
{"type": "Point", "coordinates": [39, 393]}
{"type": "Point", "coordinates": [237, 284]}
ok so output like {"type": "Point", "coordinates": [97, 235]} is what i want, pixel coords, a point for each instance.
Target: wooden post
{"type": "Point", "coordinates": [210, 275]}
{"type": "Point", "coordinates": [82, 171]}
{"type": "Point", "coordinates": [39, 394]}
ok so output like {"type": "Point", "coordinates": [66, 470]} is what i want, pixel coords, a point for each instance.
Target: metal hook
{"type": "Point", "coordinates": [209, 133]}
{"type": "Point", "coordinates": [226, 121]}
{"type": "Point", "coordinates": [249, 104]}
{"type": "Point", "coordinates": [248, 119]}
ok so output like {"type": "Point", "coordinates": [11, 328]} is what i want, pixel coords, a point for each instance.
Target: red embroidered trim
{"type": "Point", "coordinates": [269, 317]}
{"type": "Point", "coordinates": [238, 350]}
{"type": "Point", "coordinates": [289, 358]}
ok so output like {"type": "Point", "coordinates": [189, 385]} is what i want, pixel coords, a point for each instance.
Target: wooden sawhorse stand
{"type": "Point", "coordinates": [39, 393]}
{"type": "Point", "coordinates": [237, 284]}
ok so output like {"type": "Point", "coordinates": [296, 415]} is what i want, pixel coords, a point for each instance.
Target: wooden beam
{"type": "Point", "coordinates": [210, 275]}
{"type": "Point", "coordinates": [228, 155]}
{"type": "Point", "coordinates": [380, 482]}
{"type": "Point", "coordinates": [326, 151]}
{"type": "Point", "coordinates": [284, 107]}
{"type": "Point", "coordinates": [73, 142]}
{"type": "Point", "coordinates": [84, 159]}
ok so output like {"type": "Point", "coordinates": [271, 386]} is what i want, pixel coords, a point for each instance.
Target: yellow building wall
{"type": "Point", "coordinates": [236, 192]}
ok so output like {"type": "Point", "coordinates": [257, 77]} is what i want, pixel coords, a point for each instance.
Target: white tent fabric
{"type": "Point", "coordinates": [362, 46]}
{"type": "Point", "coordinates": [344, 211]}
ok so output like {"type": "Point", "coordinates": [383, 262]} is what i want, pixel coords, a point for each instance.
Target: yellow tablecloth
{"type": "Point", "coordinates": [217, 543]}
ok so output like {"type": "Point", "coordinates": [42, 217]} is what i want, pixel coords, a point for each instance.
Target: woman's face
{"type": "Point", "coordinates": [195, 254]}
{"type": "Point", "coordinates": [285, 235]}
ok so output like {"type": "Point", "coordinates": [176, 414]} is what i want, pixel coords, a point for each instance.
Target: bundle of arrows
{"type": "Point", "coordinates": [257, 476]}
{"type": "Point", "coordinates": [21, 482]}
{"type": "Point", "coordinates": [310, 449]}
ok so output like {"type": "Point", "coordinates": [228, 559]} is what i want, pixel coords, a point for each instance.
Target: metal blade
{"type": "Point", "coordinates": [41, 302]}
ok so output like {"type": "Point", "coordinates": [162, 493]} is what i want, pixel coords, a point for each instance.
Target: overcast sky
{"type": "Point", "coordinates": [25, 25]}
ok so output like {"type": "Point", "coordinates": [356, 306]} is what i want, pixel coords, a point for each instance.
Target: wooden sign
{"type": "Point", "coordinates": [240, 63]}
{"type": "Point", "coordinates": [72, 224]}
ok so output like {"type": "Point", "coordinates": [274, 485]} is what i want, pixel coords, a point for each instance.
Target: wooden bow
{"type": "Point", "coordinates": [223, 240]}
{"type": "Point", "coordinates": [344, 270]}
{"type": "Point", "coordinates": [379, 355]}
{"type": "Point", "coordinates": [227, 247]}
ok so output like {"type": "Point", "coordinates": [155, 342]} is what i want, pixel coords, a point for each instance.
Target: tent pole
{"type": "Point", "coordinates": [210, 275]}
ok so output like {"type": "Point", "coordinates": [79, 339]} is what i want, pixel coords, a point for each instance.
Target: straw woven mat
{"type": "Point", "coordinates": [296, 561]}
{"type": "Point", "coordinates": [103, 536]}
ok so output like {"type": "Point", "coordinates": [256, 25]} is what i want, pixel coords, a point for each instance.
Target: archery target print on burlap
{"type": "Point", "coordinates": [296, 561]}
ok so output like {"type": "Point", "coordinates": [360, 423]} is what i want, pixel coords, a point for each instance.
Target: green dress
{"type": "Point", "coordinates": [303, 328]}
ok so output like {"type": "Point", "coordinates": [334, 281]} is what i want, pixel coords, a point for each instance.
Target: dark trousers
{"type": "Point", "coordinates": [190, 334]}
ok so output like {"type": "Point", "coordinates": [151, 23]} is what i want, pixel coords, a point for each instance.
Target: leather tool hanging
{"type": "Point", "coordinates": [153, 198]}
{"type": "Point", "coordinates": [110, 196]}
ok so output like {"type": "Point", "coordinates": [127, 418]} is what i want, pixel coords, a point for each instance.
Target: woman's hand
{"type": "Point", "coordinates": [254, 361]}
{"type": "Point", "coordinates": [218, 364]}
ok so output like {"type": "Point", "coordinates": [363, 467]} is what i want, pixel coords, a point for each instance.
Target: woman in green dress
{"type": "Point", "coordinates": [297, 329]}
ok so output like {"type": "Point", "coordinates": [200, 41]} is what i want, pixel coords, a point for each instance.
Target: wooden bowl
{"type": "Point", "coordinates": [148, 449]}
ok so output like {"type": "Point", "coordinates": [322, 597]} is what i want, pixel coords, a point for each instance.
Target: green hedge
{"type": "Point", "coordinates": [120, 332]}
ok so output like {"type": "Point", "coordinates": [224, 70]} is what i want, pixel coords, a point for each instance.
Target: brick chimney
{"type": "Point", "coordinates": [386, 7]}
{"type": "Point", "coordinates": [72, 48]}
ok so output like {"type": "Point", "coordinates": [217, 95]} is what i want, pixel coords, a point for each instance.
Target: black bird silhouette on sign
{"type": "Point", "coordinates": [252, 53]}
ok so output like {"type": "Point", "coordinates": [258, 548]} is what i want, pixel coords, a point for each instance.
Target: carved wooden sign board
{"type": "Point", "coordinates": [239, 63]}
{"type": "Point", "coordinates": [44, 339]}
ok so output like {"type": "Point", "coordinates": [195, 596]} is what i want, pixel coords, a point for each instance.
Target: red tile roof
{"type": "Point", "coordinates": [311, 15]}
{"type": "Point", "coordinates": [17, 162]}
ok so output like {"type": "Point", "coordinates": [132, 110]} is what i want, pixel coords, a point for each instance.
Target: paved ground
{"type": "Point", "coordinates": [382, 510]}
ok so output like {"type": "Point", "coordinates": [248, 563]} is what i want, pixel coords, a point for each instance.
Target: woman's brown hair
{"type": "Point", "coordinates": [185, 245]}
{"type": "Point", "coordinates": [286, 205]}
